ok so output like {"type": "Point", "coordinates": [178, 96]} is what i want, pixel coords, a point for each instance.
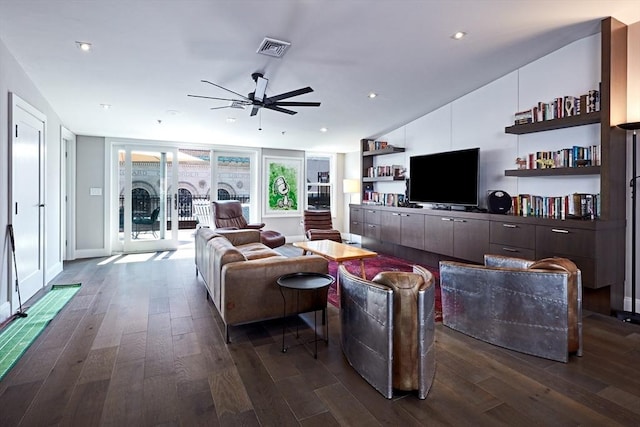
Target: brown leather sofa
{"type": "Point", "coordinates": [534, 307]}
{"type": "Point", "coordinates": [388, 329]}
{"type": "Point", "coordinates": [240, 274]}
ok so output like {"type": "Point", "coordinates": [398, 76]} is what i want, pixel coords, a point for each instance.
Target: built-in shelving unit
{"type": "Point", "coordinates": [599, 252]}
{"type": "Point", "coordinates": [368, 156]}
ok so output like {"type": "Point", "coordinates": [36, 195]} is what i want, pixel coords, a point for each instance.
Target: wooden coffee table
{"type": "Point", "coordinates": [338, 252]}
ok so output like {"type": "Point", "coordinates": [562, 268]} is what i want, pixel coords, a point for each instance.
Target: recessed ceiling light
{"type": "Point", "coordinates": [372, 95]}
{"type": "Point", "coordinates": [84, 46]}
{"type": "Point", "coordinates": [106, 106]}
{"type": "Point", "coordinates": [173, 112]}
{"type": "Point", "coordinates": [458, 35]}
{"type": "Point", "coordinates": [323, 129]}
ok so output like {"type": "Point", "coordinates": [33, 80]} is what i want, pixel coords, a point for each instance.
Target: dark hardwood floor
{"type": "Point", "coordinates": [140, 345]}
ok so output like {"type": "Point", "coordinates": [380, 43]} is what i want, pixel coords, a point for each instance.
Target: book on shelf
{"type": "Point", "coordinates": [373, 145]}
{"type": "Point", "coordinates": [576, 156]}
{"type": "Point", "coordinates": [576, 205]}
{"type": "Point", "coordinates": [383, 199]}
{"type": "Point", "coordinates": [559, 108]}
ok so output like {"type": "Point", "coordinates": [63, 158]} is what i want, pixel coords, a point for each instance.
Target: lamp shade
{"type": "Point", "coordinates": [630, 126]}
{"type": "Point", "coordinates": [351, 185]}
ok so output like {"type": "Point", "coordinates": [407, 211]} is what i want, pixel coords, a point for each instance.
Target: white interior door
{"type": "Point", "coordinates": [146, 198]}
{"type": "Point", "coordinates": [27, 209]}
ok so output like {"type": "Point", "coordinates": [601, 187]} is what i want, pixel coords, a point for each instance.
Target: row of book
{"type": "Point", "coordinates": [575, 156]}
{"type": "Point", "coordinates": [560, 107]}
{"type": "Point", "coordinates": [576, 205]}
{"type": "Point", "coordinates": [383, 199]}
{"type": "Point", "coordinates": [372, 145]}
{"type": "Point", "coordinates": [379, 171]}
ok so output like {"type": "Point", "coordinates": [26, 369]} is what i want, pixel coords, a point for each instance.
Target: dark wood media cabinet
{"type": "Point", "coordinates": [428, 236]}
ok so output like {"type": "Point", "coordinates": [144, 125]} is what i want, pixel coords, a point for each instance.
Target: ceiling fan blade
{"type": "Point", "coordinates": [285, 95]}
{"type": "Point", "coordinates": [282, 110]}
{"type": "Point", "coordinates": [254, 110]}
{"type": "Point", "coordinates": [261, 87]}
{"type": "Point", "coordinates": [219, 108]}
{"type": "Point", "coordinates": [296, 104]}
{"type": "Point", "coordinates": [219, 99]}
{"type": "Point", "coordinates": [224, 88]}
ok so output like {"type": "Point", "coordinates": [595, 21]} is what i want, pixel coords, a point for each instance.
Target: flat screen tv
{"type": "Point", "coordinates": [445, 179]}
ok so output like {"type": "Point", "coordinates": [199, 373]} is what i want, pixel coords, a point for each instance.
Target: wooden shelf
{"type": "Point", "coordinates": [388, 150]}
{"type": "Point", "coordinates": [586, 170]}
{"type": "Point", "coordinates": [565, 122]}
{"type": "Point", "coordinates": [381, 179]}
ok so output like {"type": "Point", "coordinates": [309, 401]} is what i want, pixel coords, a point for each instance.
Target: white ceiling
{"type": "Point", "coordinates": [149, 54]}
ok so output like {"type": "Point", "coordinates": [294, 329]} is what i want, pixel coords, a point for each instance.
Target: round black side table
{"type": "Point", "coordinates": [300, 282]}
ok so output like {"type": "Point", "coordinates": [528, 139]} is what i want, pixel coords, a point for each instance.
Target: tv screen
{"type": "Point", "coordinates": [447, 178]}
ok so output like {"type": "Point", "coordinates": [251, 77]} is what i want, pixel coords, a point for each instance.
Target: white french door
{"type": "Point", "coordinates": [145, 198]}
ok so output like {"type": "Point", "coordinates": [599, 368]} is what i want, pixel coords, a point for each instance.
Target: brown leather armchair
{"type": "Point", "coordinates": [318, 226]}
{"type": "Point", "coordinates": [227, 215]}
{"type": "Point", "coordinates": [534, 307]}
{"type": "Point", "coordinates": [388, 329]}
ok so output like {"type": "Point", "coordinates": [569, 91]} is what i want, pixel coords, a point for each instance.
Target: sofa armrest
{"type": "Point", "coordinates": [240, 237]}
{"type": "Point", "coordinates": [255, 226]}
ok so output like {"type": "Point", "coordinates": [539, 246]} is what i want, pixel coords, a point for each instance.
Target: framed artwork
{"type": "Point", "coordinates": [284, 190]}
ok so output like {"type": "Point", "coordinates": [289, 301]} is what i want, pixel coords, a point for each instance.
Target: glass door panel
{"type": "Point", "coordinates": [147, 202]}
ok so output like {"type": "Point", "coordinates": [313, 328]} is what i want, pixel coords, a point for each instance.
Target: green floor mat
{"type": "Point", "coordinates": [18, 335]}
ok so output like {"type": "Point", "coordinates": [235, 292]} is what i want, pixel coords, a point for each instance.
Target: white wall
{"type": "Point", "coordinates": [14, 79]}
{"type": "Point", "coordinates": [90, 220]}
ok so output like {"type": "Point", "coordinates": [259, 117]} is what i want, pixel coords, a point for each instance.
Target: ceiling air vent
{"type": "Point", "coordinates": [273, 47]}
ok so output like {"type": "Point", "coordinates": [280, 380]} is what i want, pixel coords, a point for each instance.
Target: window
{"type": "Point", "coordinates": [319, 179]}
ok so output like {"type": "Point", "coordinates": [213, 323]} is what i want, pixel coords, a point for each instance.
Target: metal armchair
{"type": "Point", "coordinates": [534, 307]}
{"type": "Point", "coordinates": [388, 329]}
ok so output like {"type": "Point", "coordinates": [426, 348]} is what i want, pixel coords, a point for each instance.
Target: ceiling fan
{"type": "Point", "coordinates": [258, 99]}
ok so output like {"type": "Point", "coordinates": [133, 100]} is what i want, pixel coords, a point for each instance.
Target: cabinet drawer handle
{"type": "Point", "coordinates": [510, 250]}
{"type": "Point", "coordinates": [395, 214]}
{"type": "Point", "coordinates": [446, 219]}
{"type": "Point", "coordinates": [371, 226]}
{"type": "Point", "coordinates": [559, 230]}
{"type": "Point", "coordinates": [509, 225]}
{"type": "Point", "coordinates": [459, 220]}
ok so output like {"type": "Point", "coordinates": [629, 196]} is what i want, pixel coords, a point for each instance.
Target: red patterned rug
{"type": "Point", "coordinates": [380, 263]}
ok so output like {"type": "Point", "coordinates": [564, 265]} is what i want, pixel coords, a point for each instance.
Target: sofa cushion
{"type": "Point", "coordinates": [225, 251]}
{"type": "Point", "coordinates": [256, 251]}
